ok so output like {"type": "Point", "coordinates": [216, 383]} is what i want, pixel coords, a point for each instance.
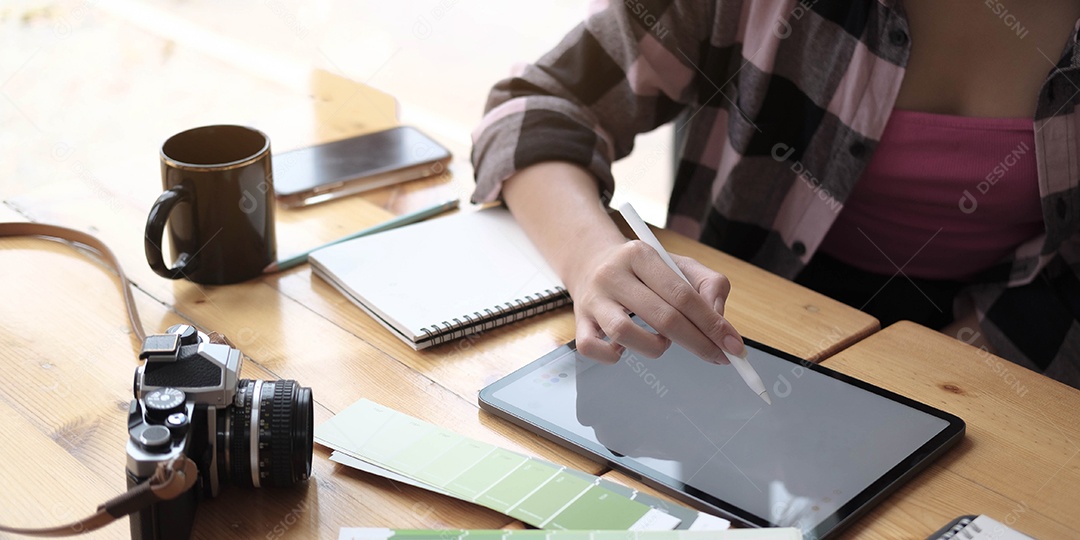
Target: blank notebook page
{"type": "Point", "coordinates": [430, 272]}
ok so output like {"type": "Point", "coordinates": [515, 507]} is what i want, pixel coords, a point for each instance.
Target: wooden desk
{"type": "Point", "coordinates": [69, 362]}
{"type": "Point", "coordinates": [80, 145]}
{"type": "Point", "coordinates": [85, 156]}
{"type": "Point", "coordinates": [68, 358]}
{"type": "Point", "coordinates": [1016, 464]}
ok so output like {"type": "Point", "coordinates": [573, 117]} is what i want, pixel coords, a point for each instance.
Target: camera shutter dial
{"type": "Point", "coordinates": [162, 402]}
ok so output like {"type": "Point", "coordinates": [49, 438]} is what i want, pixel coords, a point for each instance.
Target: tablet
{"type": "Point", "coordinates": [827, 449]}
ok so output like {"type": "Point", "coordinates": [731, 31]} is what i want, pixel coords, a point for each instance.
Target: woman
{"type": "Point", "coordinates": [916, 159]}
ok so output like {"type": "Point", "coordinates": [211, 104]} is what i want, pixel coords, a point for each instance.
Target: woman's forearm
{"type": "Point", "coordinates": [558, 205]}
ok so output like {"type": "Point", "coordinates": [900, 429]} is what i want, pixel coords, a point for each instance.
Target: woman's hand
{"type": "Point", "coordinates": [631, 277]}
{"type": "Point", "coordinates": [559, 207]}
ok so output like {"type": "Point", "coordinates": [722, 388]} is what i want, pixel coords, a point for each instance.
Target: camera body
{"type": "Point", "coordinates": [190, 401]}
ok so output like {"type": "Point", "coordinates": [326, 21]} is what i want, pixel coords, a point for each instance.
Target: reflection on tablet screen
{"type": "Point", "coordinates": [794, 463]}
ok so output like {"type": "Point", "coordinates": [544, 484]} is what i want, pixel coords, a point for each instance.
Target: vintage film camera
{"type": "Point", "coordinates": [189, 400]}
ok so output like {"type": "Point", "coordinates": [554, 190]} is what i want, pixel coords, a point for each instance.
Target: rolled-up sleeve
{"type": "Point", "coordinates": [627, 69]}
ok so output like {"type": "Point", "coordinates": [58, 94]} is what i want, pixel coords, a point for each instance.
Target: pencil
{"type": "Point", "coordinates": [404, 219]}
{"type": "Point", "coordinates": [742, 366]}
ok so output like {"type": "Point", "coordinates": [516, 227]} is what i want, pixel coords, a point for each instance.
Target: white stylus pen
{"type": "Point", "coordinates": [746, 371]}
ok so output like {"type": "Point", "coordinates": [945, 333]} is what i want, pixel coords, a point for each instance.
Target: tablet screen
{"type": "Point", "coordinates": [698, 428]}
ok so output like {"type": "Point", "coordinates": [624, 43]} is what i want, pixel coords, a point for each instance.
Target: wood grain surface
{"type": "Point", "coordinates": [84, 116]}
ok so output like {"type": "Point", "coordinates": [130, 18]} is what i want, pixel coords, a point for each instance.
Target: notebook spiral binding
{"type": "Point", "coordinates": [508, 312]}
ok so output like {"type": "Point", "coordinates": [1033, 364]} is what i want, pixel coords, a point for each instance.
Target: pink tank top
{"type": "Point", "coordinates": [944, 197]}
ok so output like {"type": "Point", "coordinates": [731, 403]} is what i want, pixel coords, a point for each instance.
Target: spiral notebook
{"type": "Point", "coordinates": [444, 279]}
{"type": "Point", "coordinates": [981, 527]}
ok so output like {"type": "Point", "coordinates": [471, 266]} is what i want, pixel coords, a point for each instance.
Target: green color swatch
{"type": "Point", "coordinates": [535, 491]}
{"type": "Point", "coordinates": [395, 437]}
{"type": "Point", "coordinates": [597, 508]}
{"type": "Point", "coordinates": [480, 477]}
{"type": "Point", "coordinates": [513, 489]}
{"type": "Point", "coordinates": [466, 453]}
{"type": "Point", "coordinates": [455, 534]}
{"type": "Point", "coordinates": [546, 502]}
{"type": "Point", "coordinates": [421, 453]}
{"type": "Point", "coordinates": [360, 428]}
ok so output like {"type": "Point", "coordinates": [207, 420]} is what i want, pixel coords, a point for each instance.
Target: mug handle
{"type": "Point", "coordinates": [155, 229]}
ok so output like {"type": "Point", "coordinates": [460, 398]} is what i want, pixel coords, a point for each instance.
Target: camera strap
{"type": "Point", "coordinates": [170, 479]}
{"type": "Point", "coordinates": [92, 244]}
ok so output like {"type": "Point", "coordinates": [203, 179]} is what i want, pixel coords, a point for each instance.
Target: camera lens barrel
{"type": "Point", "coordinates": [288, 436]}
{"type": "Point", "coordinates": [271, 433]}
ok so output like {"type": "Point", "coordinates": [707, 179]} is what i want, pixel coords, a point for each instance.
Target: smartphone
{"type": "Point", "coordinates": [335, 169]}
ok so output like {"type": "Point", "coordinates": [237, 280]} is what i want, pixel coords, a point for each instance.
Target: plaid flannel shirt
{"type": "Point", "coordinates": [780, 105]}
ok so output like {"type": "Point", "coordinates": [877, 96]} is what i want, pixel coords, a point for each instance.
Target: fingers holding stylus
{"type": "Point", "coordinates": [713, 286]}
{"type": "Point", "coordinates": [617, 325]}
{"type": "Point", "coordinates": [590, 340]}
{"type": "Point", "coordinates": [634, 278]}
{"type": "Point", "coordinates": [682, 311]}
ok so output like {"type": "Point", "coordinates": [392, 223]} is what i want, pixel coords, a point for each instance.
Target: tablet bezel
{"type": "Point", "coordinates": [831, 525]}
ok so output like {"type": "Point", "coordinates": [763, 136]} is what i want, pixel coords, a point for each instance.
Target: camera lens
{"type": "Point", "coordinates": [270, 433]}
